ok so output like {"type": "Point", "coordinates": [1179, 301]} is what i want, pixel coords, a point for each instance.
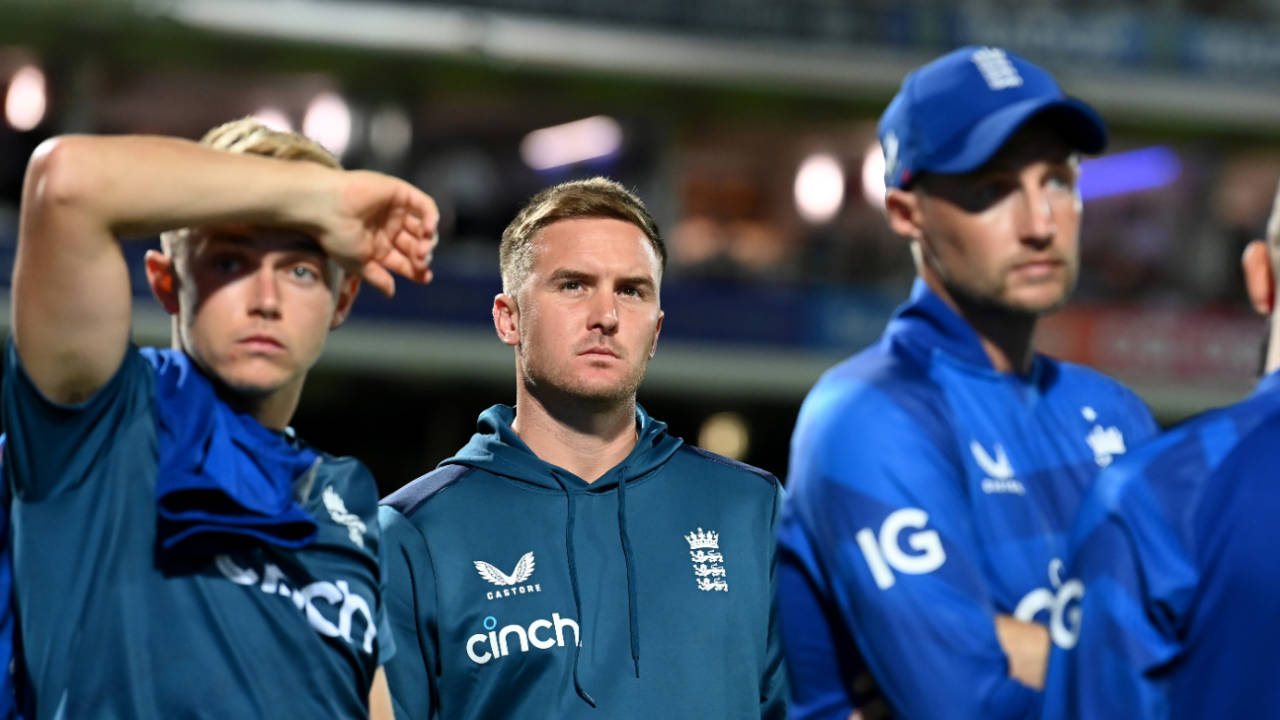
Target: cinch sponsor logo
{"type": "Point", "coordinates": [339, 598]}
{"type": "Point", "coordinates": [540, 635]}
{"type": "Point", "coordinates": [885, 552]}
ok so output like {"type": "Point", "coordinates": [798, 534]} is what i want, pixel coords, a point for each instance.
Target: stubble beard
{"type": "Point", "coordinates": [563, 387]}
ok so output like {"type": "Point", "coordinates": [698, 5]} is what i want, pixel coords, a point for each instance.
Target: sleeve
{"type": "Point", "coordinates": [877, 500]}
{"type": "Point", "coordinates": [51, 448]}
{"type": "Point", "coordinates": [410, 601]}
{"type": "Point", "coordinates": [1132, 579]}
{"type": "Point", "coordinates": [773, 683]}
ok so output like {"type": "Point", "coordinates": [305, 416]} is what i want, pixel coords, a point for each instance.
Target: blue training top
{"type": "Point", "coordinates": [927, 494]}
{"type": "Point", "coordinates": [518, 590]}
{"type": "Point", "coordinates": [1172, 553]}
{"type": "Point", "coordinates": [112, 627]}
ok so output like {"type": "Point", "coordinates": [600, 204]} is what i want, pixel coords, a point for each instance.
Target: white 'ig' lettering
{"type": "Point", "coordinates": [887, 552]}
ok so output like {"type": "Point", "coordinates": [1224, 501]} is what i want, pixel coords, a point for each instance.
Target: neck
{"type": "Point", "coordinates": [1005, 335]}
{"type": "Point", "coordinates": [273, 410]}
{"type": "Point", "coordinates": [588, 441]}
{"type": "Point", "coordinates": [1272, 360]}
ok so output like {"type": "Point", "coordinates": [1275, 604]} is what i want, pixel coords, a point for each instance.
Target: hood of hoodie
{"type": "Point", "coordinates": [496, 448]}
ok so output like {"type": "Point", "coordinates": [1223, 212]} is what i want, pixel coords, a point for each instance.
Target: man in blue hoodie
{"type": "Point", "coordinates": [177, 551]}
{"type": "Point", "coordinates": [1171, 560]}
{"type": "Point", "coordinates": [934, 475]}
{"type": "Point", "coordinates": [574, 560]}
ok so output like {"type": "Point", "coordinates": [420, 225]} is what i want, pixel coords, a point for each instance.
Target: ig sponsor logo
{"type": "Point", "coordinates": [1059, 606]}
{"type": "Point", "coordinates": [884, 553]}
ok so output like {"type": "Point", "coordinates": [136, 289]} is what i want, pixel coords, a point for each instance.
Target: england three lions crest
{"type": "Point", "coordinates": [708, 563]}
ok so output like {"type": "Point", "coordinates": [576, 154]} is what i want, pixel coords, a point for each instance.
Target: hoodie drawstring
{"type": "Point", "coordinates": [633, 616]}
{"type": "Point", "coordinates": [573, 584]}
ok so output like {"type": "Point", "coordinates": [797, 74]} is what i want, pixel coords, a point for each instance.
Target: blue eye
{"type": "Point", "coordinates": [302, 272]}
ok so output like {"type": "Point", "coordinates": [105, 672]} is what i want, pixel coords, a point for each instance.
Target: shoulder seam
{"type": "Point", "coordinates": [417, 492]}
{"type": "Point", "coordinates": [734, 464]}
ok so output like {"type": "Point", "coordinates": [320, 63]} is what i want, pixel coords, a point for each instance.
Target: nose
{"type": "Point", "coordinates": [604, 313]}
{"type": "Point", "coordinates": [264, 292]}
{"type": "Point", "coordinates": [1036, 222]}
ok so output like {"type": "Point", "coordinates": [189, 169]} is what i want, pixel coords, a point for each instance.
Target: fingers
{"type": "Point", "coordinates": [376, 275]}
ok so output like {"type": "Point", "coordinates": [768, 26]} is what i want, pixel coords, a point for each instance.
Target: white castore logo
{"type": "Point", "coordinates": [522, 571]}
{"type": "Point", "coordinates": [708, 563]}
{"type": "Point", "coordinates": [338, 511]}
{"type": "Point", "coordinates": [996, 68]}
{"type": "Point", "coordinates": [885, 554]}
{"type": "Point", "coordinates": [1062, 603]}
{"type": "Point", "coordinates": [998, 470]}
{"type": "Point", "coordinates": [513, 584]}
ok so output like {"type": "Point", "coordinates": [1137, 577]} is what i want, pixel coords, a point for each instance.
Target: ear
{"type": "Point", "coordinates": [506, 319]}
{"type": "Point", "coordinates": [903, 208]}
{"type": "Point", "coordinates": [348, 288]}
{"type": "Point", "coordinates": [1259, 280]}
{"type": "Point", "coordinates": [163, 280]}
{"type": "Point", "coordinates": [653, 349]}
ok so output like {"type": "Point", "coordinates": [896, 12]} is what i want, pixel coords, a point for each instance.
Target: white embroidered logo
{"type": "Point", "coordinates": [996, 68]}
{"type": "Point", "coordinates": [1106, 443]}
{"type": "Point", "coordinates": [522, 572]}
{"type": "Point", "coordinates": [708, 567]}
{"type": "Point", "coordinates": [999, 471]}
{"type": "Point", "coordinates": [338, 511]}
{"type": "Point", "coordinates": [890, 156]}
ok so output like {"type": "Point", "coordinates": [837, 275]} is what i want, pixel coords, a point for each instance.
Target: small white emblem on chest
{"type": "Point", "coordinates": [1106, 443]}
{"type": "Point", "coordinates": [708, 563]}
{"type": "Point", "coordinates": [338, 511]}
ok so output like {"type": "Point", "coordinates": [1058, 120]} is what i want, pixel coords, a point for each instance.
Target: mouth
{"type": "Point", "coordinates": [1039, 267]}
{"type": "Point", "coordinates": [261, 344]}
{"type": "Point", "coordinates": [598, 352]}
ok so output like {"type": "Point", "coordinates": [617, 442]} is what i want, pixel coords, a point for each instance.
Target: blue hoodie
{"type": "Point", "coordinates": [519, 590]}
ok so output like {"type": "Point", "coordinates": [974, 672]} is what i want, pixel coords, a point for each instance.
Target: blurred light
{"type": "Point", "coordinates": [725, 433]}
{"type": "Point", "coordinates": [26, 101]}
{"type": "Point", "coordinates": [1129, 172]}
{"type": "Point", "coordinates": [328, 122]}
{"type": "Point", "coordinates": [390, 133]}
{"type": "Point", "coordinates": [819, 188]}
{"type": "Point", "coordinates": [873, 176]}
{"type": "Point", "coordinates": [273, 118]}
{"type": "Point", "coordinates": [586, 139]}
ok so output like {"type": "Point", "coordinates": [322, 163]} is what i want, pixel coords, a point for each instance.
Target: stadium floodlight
{"type": "Point", "coordinates": [819, 188]}
{"type": "Point", "coordinates": [27, 99]}
{"type": "Point", "coordinates": [725, 433]}
{"type": "Point", "coordinates": [390, 133]}
{"type": "Point", "coordinates": [590, 138]}
{"type": "Point", "coordinates": [274, 118]}
{"type": "Point", "coordinates": [1129, 172]}
{"type": "Point", "coordinates": [873, 176]}
{"type": "Point", "coordinates": [328, 122]}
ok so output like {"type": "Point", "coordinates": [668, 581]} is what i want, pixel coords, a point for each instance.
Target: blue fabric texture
{"type": "Point", "coordinates": [928, 493]}
{"type": "Point", "coordinates": [8, 686]}
{"type": "Point", "coordinates": [224, 481]}
{"type": "Point", "coordinates": [1174, 584]}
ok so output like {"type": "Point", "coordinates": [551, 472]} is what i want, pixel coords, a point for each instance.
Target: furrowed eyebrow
{"type": "Point", "coordinates": [640, 281]}
{"type": "Point", "coordinates": [565, 274]}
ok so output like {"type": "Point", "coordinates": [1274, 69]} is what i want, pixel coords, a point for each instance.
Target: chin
{"type": "Point", "coordinates": [252, 381]}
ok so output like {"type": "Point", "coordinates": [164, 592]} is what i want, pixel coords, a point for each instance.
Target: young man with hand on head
{"type": "Point", "coordinates": [177, 551]}
{"type": "Point", "coordinates": [574, 560]}
{"type": "Point", "coordinates": [934, 475]}
{"type": "Point", "coordinates": [1171, 560]}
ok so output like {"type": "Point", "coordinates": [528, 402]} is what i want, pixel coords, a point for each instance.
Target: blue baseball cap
{"type": "Point", "coordinates": [953, 114]}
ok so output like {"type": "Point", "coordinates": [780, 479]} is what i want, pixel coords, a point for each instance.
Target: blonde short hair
{"type": "Point", "coordinates": [597, 197]}
{"type": "Point", "coordinates": [248, 136]}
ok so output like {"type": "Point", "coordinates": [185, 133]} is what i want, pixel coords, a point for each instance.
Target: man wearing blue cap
{"type": "Point", "coordinates": [934, 475]}
{"type": "Point", "coordinates": [177, 551]}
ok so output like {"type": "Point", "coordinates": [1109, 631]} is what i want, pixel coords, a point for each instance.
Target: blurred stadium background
{"type": "Point", "coordinates": [747, 125]}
